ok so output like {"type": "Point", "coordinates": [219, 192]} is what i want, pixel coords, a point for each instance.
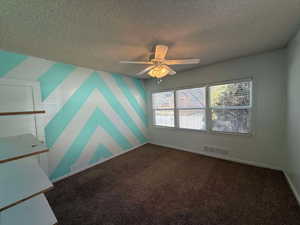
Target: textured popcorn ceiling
{"type": "Point", "coordinates": [99, 33]}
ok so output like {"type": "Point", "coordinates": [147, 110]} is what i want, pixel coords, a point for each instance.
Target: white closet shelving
{"type": "Point", "coordinates": [35, 211]}
{"type": "Point", "coordinates": [20, 180]}
{"type": "Point", "coordinates": [23, 183]}
{"type": "Point", "coordinates": [20, 146]}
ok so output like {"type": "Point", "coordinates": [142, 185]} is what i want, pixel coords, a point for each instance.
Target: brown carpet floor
{"type": "Point", "coordinates": [154, 185]}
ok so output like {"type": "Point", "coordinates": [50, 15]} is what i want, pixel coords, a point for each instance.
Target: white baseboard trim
{"type": "Point", "coordinates": [95, 164]}
{"type": "Point", "coordinates": [292, 186]}
{"type": "Point", "coordinates": [200, 152]}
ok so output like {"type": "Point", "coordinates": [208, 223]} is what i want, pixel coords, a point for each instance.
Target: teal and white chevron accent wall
{"type": "Point", "coordinates": [90, 115]}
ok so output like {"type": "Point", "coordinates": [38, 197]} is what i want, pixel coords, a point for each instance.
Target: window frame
{"type": "Point", "coordinates": [162, 109]}
{"type": "Point", "coordinates": [208, 109]}
{"type": "Point", "coordinates": [250, 107]}
{"type": "Point", "coordinates": [200, 108]}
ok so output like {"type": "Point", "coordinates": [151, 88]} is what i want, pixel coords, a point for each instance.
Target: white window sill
{"type": "Point", "coordinates": [251, 134]}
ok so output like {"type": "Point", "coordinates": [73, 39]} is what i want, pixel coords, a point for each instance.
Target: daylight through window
{"type": "Point", "coordinates": [163, 108]}
{"type": "Point", "coordinates": [224, 107]}
{"type": "Point", "coordinates": [190, 106]}
{"type": "Point", "coordinates": [230, 107]}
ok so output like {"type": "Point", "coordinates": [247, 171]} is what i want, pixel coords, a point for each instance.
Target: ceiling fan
{"type": "Point", "coordinates": [159, 65]}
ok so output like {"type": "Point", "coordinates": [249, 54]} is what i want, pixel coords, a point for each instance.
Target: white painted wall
{"type": "Point", "coordinates": [293, 113]}
{"type": "Point", "coordinates": [266, 146]}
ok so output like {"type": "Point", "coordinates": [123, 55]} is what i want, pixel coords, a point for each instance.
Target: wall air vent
{"type": "Point", "coordinates": [215, 150]}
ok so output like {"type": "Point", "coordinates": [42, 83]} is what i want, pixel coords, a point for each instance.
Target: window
{"type": "Point", "coordinates": [163, 106]}
{"type": "Point", "coordinates": [230, 107]}
{"type": "Point", "coordinates": [222, 107]}
{"type": "Point", "coordinates": [190, 105]}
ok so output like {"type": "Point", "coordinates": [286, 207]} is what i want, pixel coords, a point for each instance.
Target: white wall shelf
{"type": "Point", "coordinates": [21, 180]}
{"type": "Point", "coordinates": [23, 156]}
{"type": "Point", "coordinates": [17, 147]}
{"type": "Point", "coordinates": [35, 211]}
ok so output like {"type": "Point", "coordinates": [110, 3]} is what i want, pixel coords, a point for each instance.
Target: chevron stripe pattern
{"type": "Point", "coordinates": [91, 115]}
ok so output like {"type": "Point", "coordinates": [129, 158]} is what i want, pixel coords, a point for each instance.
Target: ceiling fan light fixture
{"type": "Point", "coordinates": [160, 66]}
{"type": "Point", "coordinates": [158, 72]}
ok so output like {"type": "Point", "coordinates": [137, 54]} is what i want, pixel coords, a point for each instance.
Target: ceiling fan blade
{"type": "Point", "coordinates": [181, 61]}
{"type": "Point", "coordinates": [145, 70]}
{"type": "Point", "coordinates": [137, 62]}
{"type": "Point", "coordinates": [171, 71]}
{"type": "Point", "coordinates": [161, 51]}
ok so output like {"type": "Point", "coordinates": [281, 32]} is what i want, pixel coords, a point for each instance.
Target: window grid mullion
{"type": "Point", "coordinates": [208, 114]}
{"type": "Point", "coordinates": [200, 108]}
{"type": "Point", "coordinates": [164, 109]}
{"type": "Point", "coordinates": [175, 111]}
{"type": "Point", "coordinates": [230, 107]}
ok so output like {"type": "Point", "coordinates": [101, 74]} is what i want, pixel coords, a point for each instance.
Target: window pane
{"type": "Point", "coordinates": [234, 94]}
{"type": "Point", "coordinates": [191, 98]}
{"type": "Point", "coordinates": [192, 119]}
{"type": "Point", "coordinates": [163, 100]}
{"type": "Point", "coordinates": [236, 121]}
{"type": "Point", "coordinates": [164, 118]}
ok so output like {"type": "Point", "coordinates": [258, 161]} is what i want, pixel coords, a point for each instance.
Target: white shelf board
{"type": "Point", "coordinates": [35, 211]}
{"type": "Point", "coordinates": [16, 147]}
{"type": "Point", "coordinates": [20, 180]}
